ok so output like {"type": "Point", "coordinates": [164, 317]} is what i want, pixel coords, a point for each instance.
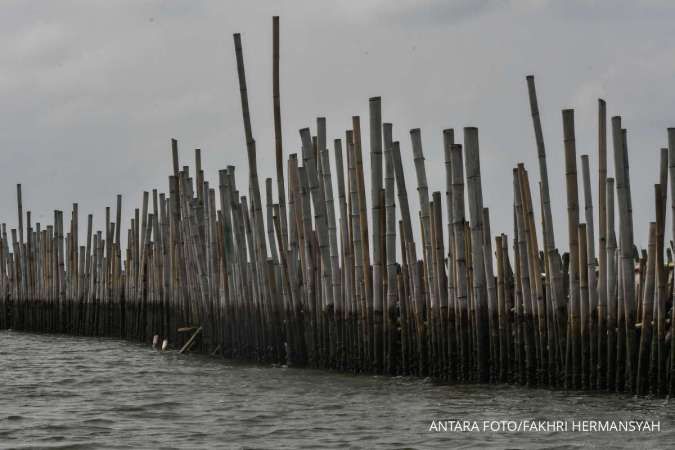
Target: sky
{"type": "Point", "coordinates": [91, 92]}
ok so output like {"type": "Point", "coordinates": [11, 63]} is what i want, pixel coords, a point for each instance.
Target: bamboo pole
{"type": "Point", "coordinates": [626, 238]}
{"type": "Point", "coordinates": [315, 297]}
{"type": "Point", "coordinates": [425, 225]}
{"type": "Point", "coordinates": [592, 324]}
{"type": "Point", "coordinates": [376, 188]}
{"type": "Point", "coordinates": [647, 313]}
{"type": "Point", "coordinates": [537, 296]}
{"type": "Point", "coordinates": [491, 293]}
{"type": "Point", "coordinates": [602, 247]}
{"type": "Point", "coordinates": [475, 196]}
{"type": "Point", "coordinates": [671, 158]}
{"type": "Point", "coordinates": [553, 271]}
{"type": "Point", "coordinates": [365, 243]}
{"type": "Point", "coordinates": [612, 285]}
{"type": "Point", "coordinates": [584, 309]}
{"type": "Point", "coordinates": [572, 372]}
{"type": "Point", "coordinates": [524, 305]}
{"type": "Point", "coordinates": [278, 141]}
{"type": "Point", "coordinates": [460, 258]}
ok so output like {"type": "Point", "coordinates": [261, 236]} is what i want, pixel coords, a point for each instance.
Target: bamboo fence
{"type": "Point", "coordinates": [311, 280]}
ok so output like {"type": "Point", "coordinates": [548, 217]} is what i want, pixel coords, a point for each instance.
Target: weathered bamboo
{"type": "Point", "coordinates": [602, 244]}
{"type": "Point", "coordinates": [671, 158]}
{"type": "Point", "coordinates": [537, 296]}
{"type": "Point", "coordinates": [376, 188]}
{"type": "Point", "coordinates": [611, 257]}
{"type": "Point", "coordinates": [592, 323]}
{"type": "Point", "coordinates": [475, 196]}
{"type": "Point", "coordinates": [501, 312]}
{"type": "Point", "coordinates": [656, 361]}
{"type": "Point", "coordinates": [554, 293]}
{"type": "Point", "coordinates": [572, 371]}
{"type": "Point", "coordinates": [626, 237]}
{"type": "Point", "coordinates": [460, 258]}
{"type": "Point", "coordinates": [584, 310]}
{"type": "Point", "coordinates": [302, 290]}
{"type": "Point", "coordinates": [524, 305]}
{"type": "Point", "coordinates": [491, 293]}
{"type": "Point", "coordinates": [441, 312]}
{"type": "Point", "coordinates": [278, 141]}
{"type": "Point", "coordinates": [647, 312]}
{"type": "Point", "coordinates": [390, 236]}
{"type": "Point", "coordinates": [425, 225]}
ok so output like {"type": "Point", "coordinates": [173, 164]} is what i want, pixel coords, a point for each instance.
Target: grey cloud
{"type": "Point", "coordinates": [91, 92]}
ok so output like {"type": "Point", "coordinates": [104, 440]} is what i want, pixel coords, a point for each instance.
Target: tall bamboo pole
{"type": "Point", "coordinates": [425, 225]}
{"type": "Point", "coordinates": [671, 158]}
{"type": "Point", "coordinates": [365, 236]}
{"type": "Point", "coordinates": [376, 188]}
{"type": "Point", "coordinates": [475, 196]}
{"type": "Point", "coordinates": [602, 250]}
{"type": "Point", "coordinates": [593, 319]}
{"type": "Point", "coordinates": [276, 101]}
{"type": "Point", "coordinates": [572, 373]}
{"type": "Point", "coordinates": [460, 257]}
{"type": "Point", "coordinates": [554, 272]}
{"type": "Point", "coordinates": [537, 296]}
{"type": "Point", "coordinates": [523, 312]}
{"type": "Point", "coordinates": [390, 235]}
{"type": "Point", "coordinates": [448, 142]}
{"type": "Point", "coordinates": [626, 238]}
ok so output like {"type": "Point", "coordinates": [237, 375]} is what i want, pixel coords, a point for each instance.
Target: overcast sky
{"type": "Point", "coordinates": [92, 91]}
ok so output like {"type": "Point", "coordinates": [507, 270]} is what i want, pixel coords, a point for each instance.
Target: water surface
{"type": "Point", "coordinates": [69, 392]}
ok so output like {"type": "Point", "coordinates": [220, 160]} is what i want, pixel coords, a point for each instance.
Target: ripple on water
{"type": "Point", "coordinates": [89, 393]}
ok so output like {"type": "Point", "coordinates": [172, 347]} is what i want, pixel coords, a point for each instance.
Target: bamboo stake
{"type": "Point", "coordinates": [611, 258]}
{"type": "Point", "coordinates": [572, 372]}
{"type": "Point", "coordinates": [593, 319]}
{"type": "Point", "coordinates": [460, 259]}
{"type": "Point", "coordinates": [554, 273]}
{"type": "Point", "coordinates": [671, 158]}
{"type": "Point", "coordinates": [376, 188]}
{"type": "Point", "coordinates": [647, 313]}
{"type": "Point", "coordinates": [475, 196]}
{"type": "Point", "coordinates": [602, 250]}
{"type": "Point", "coordinates": [626, 237]}
{"type": "Point", "coordinates": [279, 153]}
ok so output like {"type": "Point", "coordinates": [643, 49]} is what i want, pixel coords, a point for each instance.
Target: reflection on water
{"type": "Point", "coordinates": [65, 392]}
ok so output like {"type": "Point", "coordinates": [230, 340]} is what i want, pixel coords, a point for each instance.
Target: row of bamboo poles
{"type": "Point", "coordinates": [315, 278]}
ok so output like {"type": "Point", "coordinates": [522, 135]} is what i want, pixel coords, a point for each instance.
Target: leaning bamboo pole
{"type": "Point", "coordinates": [553, 272]}
{"type": "Point", "coordinates": [278, 141]}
